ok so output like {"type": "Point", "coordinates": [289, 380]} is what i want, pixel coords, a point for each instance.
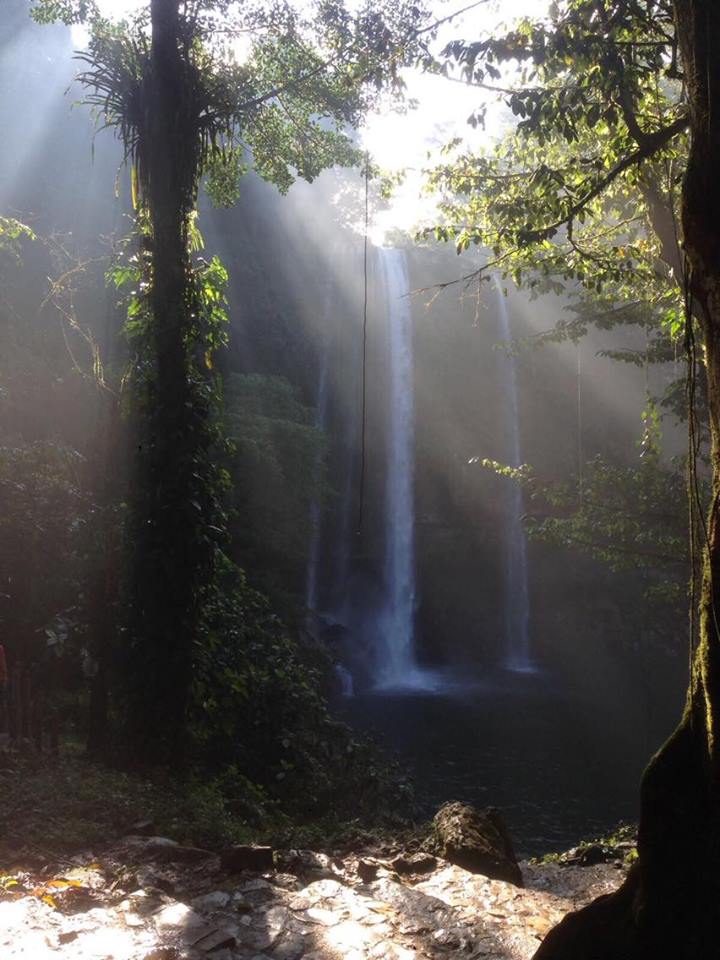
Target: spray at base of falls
{"type": "Point", "coordinates": [517, 592]}
{"type": "Point", "coordinates": [345, 680]}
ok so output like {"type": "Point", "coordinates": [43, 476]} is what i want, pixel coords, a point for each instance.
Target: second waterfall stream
{"type": "Point", "coordinates": [517, 592]}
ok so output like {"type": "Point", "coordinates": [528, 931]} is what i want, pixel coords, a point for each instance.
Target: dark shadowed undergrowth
{"type": "Point", "coordinates": [71, 804]}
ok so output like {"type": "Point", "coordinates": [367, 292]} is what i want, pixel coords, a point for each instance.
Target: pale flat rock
{"type": "Point", "coordinates": [211, 901]}
{"type": "Point", "coordinates": [448, 913]}
{"type": "Point", "coordinates": [275, 919]}
{"type": "Point", "coordinates": [327, 918]}
{"type": "Point", "coordinates": [324, 890]}
{"type": "Point", "coordinates": [577, 884]}
{"type": "Point", "coordinates": [177, 917]}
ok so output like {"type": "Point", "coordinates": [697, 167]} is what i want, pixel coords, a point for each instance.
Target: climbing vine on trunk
{"type": "Point", "coordinates": [186, 107]}
{"type": "Point", "coordinates": [607, 180]}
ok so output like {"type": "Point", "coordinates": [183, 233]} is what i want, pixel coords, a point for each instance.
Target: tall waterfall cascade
{"type": "Point", "coordinates": [516, 592]}
{"type": "Point", "coordinates": [313, 561]}
{"type": "Point", "coordinates": [370, 597]}
{"type": "Point", "coordinates": [396, 664]}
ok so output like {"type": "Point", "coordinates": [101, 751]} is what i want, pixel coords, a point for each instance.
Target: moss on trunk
{"type": "Point", "coordinates": [172, 548]}
{"type": "Point", "coordinates": [669, 905]}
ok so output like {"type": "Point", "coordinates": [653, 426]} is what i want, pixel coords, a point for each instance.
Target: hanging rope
{"type": "Point", "coordinates": [363, 412]}
{"type": "Point", "coordinates": [579, 425]}
{"type": "Point", "coordinates": [647, 437]}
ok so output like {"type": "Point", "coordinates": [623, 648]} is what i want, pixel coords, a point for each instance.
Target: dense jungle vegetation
{"type": "Point", "coordinates": [159, 487]}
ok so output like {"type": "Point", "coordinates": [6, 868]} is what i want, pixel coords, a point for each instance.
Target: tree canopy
{"type": "Point", "coordinates": [582, 189]}
{"type": "Point", "coordinates": [604, 180]}
{"type": "Point", "coordinates": [205, 91]}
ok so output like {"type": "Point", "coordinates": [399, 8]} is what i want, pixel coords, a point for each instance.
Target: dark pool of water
{"type": "Point", "coordinates": [561, 766]}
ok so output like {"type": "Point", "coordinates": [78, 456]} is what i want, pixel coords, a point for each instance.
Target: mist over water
{"type": "Point", "coordinates": [559, 770]}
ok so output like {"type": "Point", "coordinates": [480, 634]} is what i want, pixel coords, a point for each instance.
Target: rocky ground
{"type": "Point", "coordinates": [147, 898]}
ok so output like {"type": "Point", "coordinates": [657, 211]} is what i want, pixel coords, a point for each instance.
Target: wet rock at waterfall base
{"type": "Point", "coordinates": [477, 841]}
{"type": "Point", "coordinates": [589, 854]}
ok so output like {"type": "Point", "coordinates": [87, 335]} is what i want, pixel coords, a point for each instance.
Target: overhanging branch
{"type": "Point", "coordinates": [653, 143]}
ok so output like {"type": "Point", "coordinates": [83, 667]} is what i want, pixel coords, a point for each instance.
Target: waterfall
{"type": "Point", "coordinates": [318, 536]}
{"type": "Point", "coordinates": [345, 681]}
{"type": "Point", "coordinates": [396, 664]}
{"type": "Point", "coordinates": [313, 561]}
{"type": "Point", "coordinates": [517, 594]}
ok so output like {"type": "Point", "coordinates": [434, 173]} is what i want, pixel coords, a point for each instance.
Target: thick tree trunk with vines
{"type": "Point", "coordinates": [165, 575]}
{"type": "Point", "coordinates": [679, 870]}
{"type": "Point", "coordinates": [670, 904]}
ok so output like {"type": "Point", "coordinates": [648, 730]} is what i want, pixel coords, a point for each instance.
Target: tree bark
{"type": "Point", "coordinates": [669, 905]}
{"type": "Point", "coordinates": [166, 569]}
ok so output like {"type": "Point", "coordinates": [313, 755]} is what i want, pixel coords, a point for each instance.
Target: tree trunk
{"type": "Point", "coordinates": [166, 569]}
{"type": "Point", "coordinates": [669, 905]}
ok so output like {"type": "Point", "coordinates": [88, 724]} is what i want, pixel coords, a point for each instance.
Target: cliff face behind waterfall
{"type": "Point", "coordinates": [282, 327]}
{"type": "Point", "coordinates": [285, 258]}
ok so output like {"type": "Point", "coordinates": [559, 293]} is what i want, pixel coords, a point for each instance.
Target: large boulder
{"type": "Point", "coordinates": [477, 841]}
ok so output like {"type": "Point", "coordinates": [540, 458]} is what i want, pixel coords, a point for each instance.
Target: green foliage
{"type": "Point", "coordinates": [43, 518]}
{"type": "Point", "coordinates": [620, 844]}
{"type": "Point", "coordinates": [66, 11]}
{"type": "Point", "coordinates": [259, 706]}
{"type": "Point", "coordinates": [200, 646]}
{"type": "Point", "coordinates": [223, 176]}
{"type": "Point", "coordinates": [632, 518]}
{"type": "Point", "coordinates": [206, 333]}
{"type": "Point", "coordinates": [74, 804]}
{"type": "Point", "coordinates": [582, 189]}
{"type": "Point", "coordinates": [579, 196]}
{"type": "Point", "coordinates": [283, 107]}
{"type": "Point", "coordinates": [11, 233]}
{"type": "Point", "coordinates": [278, 469]}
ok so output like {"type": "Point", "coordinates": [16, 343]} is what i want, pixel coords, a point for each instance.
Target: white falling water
{"type": "Point", "coordinates": [313, 561]}
{"type": "Point", "coordinates": [345, 681]}
{"type": "Point", "coordinates": [396, 664]}
{"type": "Point", "coordinates": [517, 595]}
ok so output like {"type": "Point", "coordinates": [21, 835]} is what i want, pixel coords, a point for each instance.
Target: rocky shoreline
{"type": "Point", "coordinates": [149, 898]}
